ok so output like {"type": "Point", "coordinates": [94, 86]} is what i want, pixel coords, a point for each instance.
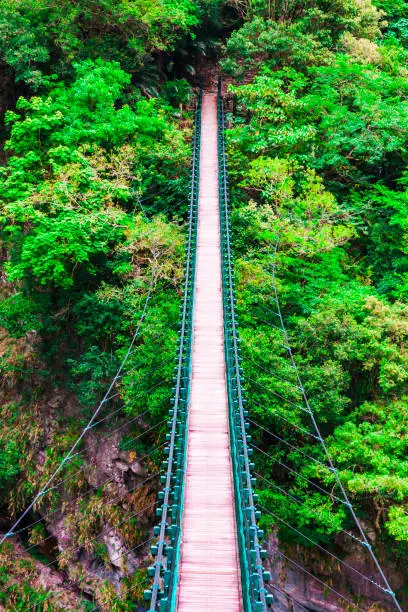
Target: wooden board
{"type": "Point", "coordinates": [209, 577]}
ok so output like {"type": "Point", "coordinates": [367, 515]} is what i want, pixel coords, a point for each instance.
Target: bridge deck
{"type": "Point", "coordinates": [209, 567]}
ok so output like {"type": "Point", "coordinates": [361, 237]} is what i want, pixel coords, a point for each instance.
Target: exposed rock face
{"type": "Point", "coordinates": [104, 454]}
{"type": "Point", "coordinates": [44, 577]}
{"type": "Point", "coordinates": [57, 529]}
{"type": "Point", "coordinates": [138, 469]}
{"type": "Point", "coordinates": [296, 590]}
{"type": "Point", "coordinates": [83, 573]}
{"type": "Point", "coordinates": [106, 463]}
{"type": "Point", "coordinates": [122, 466]}
{"type": "Point", "coordinates": [118, 553]}
{"type": "Point", "coordinates": [94, 567]}
{"type": "Point", "coordinates": [109, 461]}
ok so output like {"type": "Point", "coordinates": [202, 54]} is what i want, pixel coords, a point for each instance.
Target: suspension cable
{"type": "Point", "coordinates": [95, 413]}
{"type": "Point", "coordinates": [318, 487]}
{"type": "Point", "coordinates": [78, 498]}
{"type": "Point", "coordinates": [289, 596]}
{"type": "Point", "coordinates": [306, 408]}
{"type": "Point", "coordinates": [275, 412]}
{"type": "Point", "coordinates": [320, 438]}
{"type": "Point", "coordinates": [314, 510]}
{"type": "Point", "coordinates": [109, 434]}
{"type": "Point", "coordinates": [98, 535]}
{"type": "Point", "coordinates": [328, 552]}
{"type": "Point", "coordinates": [121, 556]}
{"type": "Point", "coordinates": [167, 549]}
{"type": "Point", "coordinates": [255, 595]}
{"type": "Point", "coordinates": [292, 446]}
{"type": "Point", "coordinates": [327, 586]}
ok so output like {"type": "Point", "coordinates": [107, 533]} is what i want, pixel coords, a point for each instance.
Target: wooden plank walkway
{"type": "Point", "coordinates": [209, 578]}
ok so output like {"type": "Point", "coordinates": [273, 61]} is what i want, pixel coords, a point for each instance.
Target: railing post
{"type": "Point", "coordinates": [164, 571]}
{"type": "Point", "coordinates": [256, 598]}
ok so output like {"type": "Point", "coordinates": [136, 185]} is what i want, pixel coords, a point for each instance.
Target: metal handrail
{"type": "Point", "coordinates": [256, 597]}
{"type": "Point", "coordinates": [166, 550]}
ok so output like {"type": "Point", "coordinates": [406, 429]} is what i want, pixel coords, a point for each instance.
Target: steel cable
{"type": "Point", "coordinates": [292, 446]}
{"type": "Point", "coordinates": [73, 500]}
{"type": "Point", "coordinates": [344, 563]}
{"type": "Point", "coordinates": [162, 591]}
{"type": "Point", "coordinates": [318, 436]}
{"type": "Point", "coordinates": [321, 489]}
{"type": "Point", "coordinates": [133, 588]}
{"type": "Point", "coordinates": [95, 414]}
{"type": "Point", "coordinates": [88, 490]}
{"type": "Point", "coordinates": [274, 375]}
{"type": "Point", "coordinates": [109, 502]}
{"type": "Point", "coordinates": [95, 538]}
{"type": "Point", "coordinates": [327, 586]}
{"type": "Point", "coordinates": [288, 595]}
{"type": "Point", "coordinates": [254, 578]}
{"type": "Point", "coordinates": [276, 413]}
{"type": "Point", "coordinates": [272, 392]}
{"type": "Point", "coordinates": [301, 503]}
{"type": "Point", "coordinates": [367, 545]}
{"type": "Point", "coordinates": [126, 554]}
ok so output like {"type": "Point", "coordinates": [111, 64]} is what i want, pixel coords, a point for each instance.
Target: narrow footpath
{"type": "Point", "coordinates": [209, 577]}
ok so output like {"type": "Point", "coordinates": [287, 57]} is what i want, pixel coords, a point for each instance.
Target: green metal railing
{"type": "Point", "coordinates": [256, 598]}
{"type": "Point", "coordinates": [164, 572]}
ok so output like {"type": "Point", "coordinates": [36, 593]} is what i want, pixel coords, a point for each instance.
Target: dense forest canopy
{"type": "Point", "coordinates": [318, 153]}
{"type": "Point", "coordinates": [96, 101]}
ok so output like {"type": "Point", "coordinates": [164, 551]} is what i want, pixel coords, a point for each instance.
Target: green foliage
{"type": "Point", "coordinates": [177, 92]}
{"type": "Point", "coordinates": [40, 37]}
{"type": "Point", "coordinates": [345, 120]}
{"type": "Point", "coordinates": [9, 456]}
{"type": "Point", "coordinates": [93, 189]}
{"type": "Point", "coordinates": [20, 592]}
{"type": "Point", "coordinates": [80, 160]}
{"type": "Point", "coordinates": [282, 44]}
{"type": "Point", "coordinates": [370, 451]}
{"type": "Point", "coordinates": [317, 158]}
{"type": "Point", "coordinates": [18, 314]}
{"type": "Point", "coordinates": [382, 224]}
{"type": "Point", "coordinates": [394, 9]}
{"type": "Point", "coordinates": [296, 206]}
{"type": "Point", "coordinates": [298, 33]}
{"type": "Point", "coordinates": [92, 199]}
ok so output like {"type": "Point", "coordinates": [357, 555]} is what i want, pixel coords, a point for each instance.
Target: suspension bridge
{"type": "Point", "coordinates": [207, 545]}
